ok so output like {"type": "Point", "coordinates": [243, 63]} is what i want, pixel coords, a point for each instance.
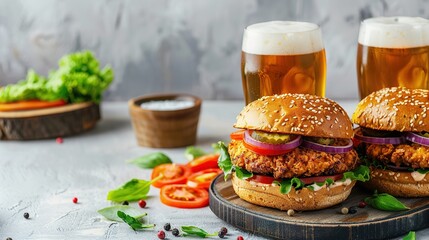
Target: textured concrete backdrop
{"type": "Point", "coordinates": [177, 45]}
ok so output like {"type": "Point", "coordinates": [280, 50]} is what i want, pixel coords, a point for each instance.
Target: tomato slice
{"type": "Point", "coordinates": [203, 162]}
{"type": "Point", "coordinates": [265, 151]}
{"type": "Point", "coordinates": [320, 179]}
{"type": "Point", "coordinates": [183, 196]}
{"type": "Point", "coordinates": [356, 142]}
{"type": "Point", "coordinates": [172, 174]}
{"type": "Point", "coordinates": [202, 179]}
{"type": "Point", "coordinates": [262, 179]}
{"type": "Point", "coordinates": [308, 180]}
{"type": "Point", "coordinates": [238, 135]}
{"type": "Point", "coordinates": [30, 104]}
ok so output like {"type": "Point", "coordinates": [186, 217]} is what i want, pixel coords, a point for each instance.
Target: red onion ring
{"type": "Point", "coordinates": [275, 149]}
{"type": "Point", "coordinates": [327, 148]}
{"type": "Point", "coordinates": [415, 138]}
{"type": "Point", "coordinates": [379, 140]}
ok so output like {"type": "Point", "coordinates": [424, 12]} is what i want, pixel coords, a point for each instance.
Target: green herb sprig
{"type": "Point", "coordinates": [192, 152]}
{"type": "Point", "coordinates": [133, 222]}
{"type": "Point", "coordinates": [150, 160]}
{"type": "Point", "coordinates": [111, 213]}
{"type": "Point", "coordinates": [133, 190]}
{"type": "Point", "coordinates": [410, 236]}
{"type": "Point", "coordinates": [196, 231]}
{"type": "Point", "coordinates": [385, 202]}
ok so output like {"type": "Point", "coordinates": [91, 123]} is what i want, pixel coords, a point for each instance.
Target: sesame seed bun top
{"type": "Point", "coordinates": [301, 114]}
{"type": "Point", "coordinates": [394, 109]}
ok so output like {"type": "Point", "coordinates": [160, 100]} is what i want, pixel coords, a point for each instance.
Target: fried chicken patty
{"type": "Point", "coordinates": [410, 155]}
{"type": "Point", "coordinates": [300, 162]}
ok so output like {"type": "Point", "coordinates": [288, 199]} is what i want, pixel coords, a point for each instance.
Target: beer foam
{"type": "Point", "coordinates": [394, 32]}
{"type": "Point", "coordinates": [282, 38]}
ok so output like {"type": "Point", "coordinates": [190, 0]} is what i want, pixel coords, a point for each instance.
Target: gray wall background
{"type": "Point", "coordinates": [188, 46]}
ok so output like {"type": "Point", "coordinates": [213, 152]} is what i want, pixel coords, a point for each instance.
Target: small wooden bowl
{"type": "Point", "coordinates": [165, 128]}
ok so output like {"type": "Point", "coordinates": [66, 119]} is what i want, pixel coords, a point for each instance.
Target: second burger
{"type": "Point", "coordinates": [294, 152]}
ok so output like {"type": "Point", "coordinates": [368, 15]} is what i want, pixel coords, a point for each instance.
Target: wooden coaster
{"type": "Point", "coordinates": [367, 223]}
{"type": "Point", "coordinates": [49, 123]}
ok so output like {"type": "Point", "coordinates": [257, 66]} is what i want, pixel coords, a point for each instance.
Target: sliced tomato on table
{"type": "Point", "coordinates": [172, 174]}
{"type": "Point", "coordinates": [30, 104]}
{"type": "Point", "coordinates": [203, 162]}
{"type": "Point", "coordinates": [202, 179]}
{"type": "Point", "coordinates": [183, 196]}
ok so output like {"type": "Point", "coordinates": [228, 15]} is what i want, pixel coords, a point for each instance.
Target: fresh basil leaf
{"type": "Point", "coordinates": [133, 190]}
{"type": "Point", "coordinates": [150, 160]}
{"type": "Point", "coordinates": [410, 236]}
{"type": "Point", "coordinates": [361, 173]}
{"type": "Point", "coordinates": [192, 152]}
{"type": "Point", "coordinates": [422, 171]}
{"type": "Point", "coordinates": [111, 213]}
{"type": "Point", "coordinates": [224, 161]}
{"type": "Point", "coordinates": [287, 184]}
{"type": "Point", "coordinates": [196, 231]}
{"type": "Point", "coordinates": [134, 223]}
{"type": "Point", "coordinates": [242, 173]}
{"type": "Point", "coordinates": [216, 148]}
{"type": "Point", "coordinates": [385, 202]}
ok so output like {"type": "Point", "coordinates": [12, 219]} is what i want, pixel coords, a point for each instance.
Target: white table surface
{"type": "Point", "coordinates": [42, 177]}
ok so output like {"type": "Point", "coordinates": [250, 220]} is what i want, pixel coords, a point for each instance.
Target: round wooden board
{"type": "Point", "coordinates": [367, 223]}
{"type": "Point", "coordinates": [49, 123]}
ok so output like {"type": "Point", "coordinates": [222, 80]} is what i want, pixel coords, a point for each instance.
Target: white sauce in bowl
{"type": "Point", "coordinates": [167, 105]}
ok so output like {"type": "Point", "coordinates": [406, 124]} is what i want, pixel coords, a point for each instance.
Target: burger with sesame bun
{"type": "Point", "coordinates": [393, 137]}
{"type": "Point", "coordinates": [294, 151]}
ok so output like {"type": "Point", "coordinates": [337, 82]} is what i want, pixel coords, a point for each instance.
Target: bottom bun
{"type": "Point", "coordinates": [269, 195]}
{"type": "Point", "coordinates": [398, 184]}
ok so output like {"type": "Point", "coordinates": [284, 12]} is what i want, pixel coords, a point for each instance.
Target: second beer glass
{"type": "Point", "coordinates": [282, 57]}
{"type": "Point", "coordinates": [393, 51]}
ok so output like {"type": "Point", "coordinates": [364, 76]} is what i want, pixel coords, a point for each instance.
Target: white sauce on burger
{"type": "Point", "coordinates": [418, 176]}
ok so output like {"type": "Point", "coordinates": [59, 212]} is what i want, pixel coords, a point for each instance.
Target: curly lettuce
{"type": "Point", "coordinates": [77, 79]}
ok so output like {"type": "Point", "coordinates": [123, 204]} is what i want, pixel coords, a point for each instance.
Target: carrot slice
{"type": "Point", "coordinates": [30, 105]}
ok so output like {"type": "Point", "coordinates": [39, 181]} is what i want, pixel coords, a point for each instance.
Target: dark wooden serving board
{"type": "Point", "coordinates": [49, 123]}
{"type": "Point", "coordinates": [367, 223]}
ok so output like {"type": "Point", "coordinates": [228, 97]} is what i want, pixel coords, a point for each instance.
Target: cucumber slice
{"type": "Point", "coordinates": [424, 134]}
{"type": "Point", "coordinates": [273, 138]}
{"type": "Point", "coordinates": [323, 141]}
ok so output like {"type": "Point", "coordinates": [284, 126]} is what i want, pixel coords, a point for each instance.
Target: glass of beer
{"type": "Point", "coordinates": [282, 57]}
{"type": "Point", "coordinates": [393, 51]}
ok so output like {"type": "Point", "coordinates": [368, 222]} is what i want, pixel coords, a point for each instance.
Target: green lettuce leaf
{"type": "Point", "coordinates": [361, 173]}
{"type": "Point", "coordinates": [224, 161]}
{"type": "Point", "coordinates": [422, 171]}
{"type": "Point", "coordinates": [242, 173]}
{"type": "Point", "coordinates": [287, 184]}
{"type": "Point", "coordinates": [77, 79]}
